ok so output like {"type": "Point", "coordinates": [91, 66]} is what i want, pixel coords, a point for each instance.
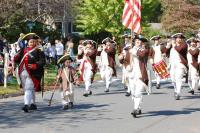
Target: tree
{"type": "Point", "coordinates": [151, 11]}
{"type": "Point", "coordinates": [96, 16]}
{"type": "Point", "coordinates": [14, 14]}
{"type": "Point", "coordinates": [180, 16]}
{"type": "Point", "coordinates": [105, 15]}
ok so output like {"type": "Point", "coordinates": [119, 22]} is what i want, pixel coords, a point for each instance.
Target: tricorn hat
{"type": "Point", "coordinates": [192, 39]}
{"type": "Point", "coordinates": [157, 37]}
{"type": "Point", "coordinates": [64, 58]}
{"type": "Point", "coordinates": [30, 36]}
{"type": "Point", "coordinates": [25, 38]}
{"type": "Point", "coordinates": [126, 36]}
{"type": "Point", "coordinates": [178, 35]}
{"type": "Point", "coordinates": [142, 38]}
{"type": "Point", "coordinates": [85, 42]}
{"type": "Point", "coordinates": [108, 40]}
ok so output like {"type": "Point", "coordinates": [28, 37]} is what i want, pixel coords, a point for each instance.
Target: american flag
{"type": "Point", "coordinates": [131, 17]}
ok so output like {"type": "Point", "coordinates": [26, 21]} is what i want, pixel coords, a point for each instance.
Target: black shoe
{"type": "Point", "coordinates": [177, 97]}
{"type": "Point", "coordinates": [198, 89]}
{"type": "Point", "coordinates": [107, 90]}
{"type": "Point", "coordinates": [158, 86]}
{"type": "Point", "coordinates": [85, 94]}
{"type": "Point", "coordinates": [125, 88]}
{"type": "Point", "coordinates": [33, 107]}
{"type": "Point", "coordinates": [127, 94]}
{"type": "Point", "coordinates": [134, 113]}
{"type": "Point", "coordinates": [25, 108]}
{"type": "Point", "coordinates": [71, 105]}
{"type": "Point", "coordinates": [90, 93]}
{"type": "Point", "coordinates": [139, 111]}
{"type": "Point", "coordinates": [191, 91]}
{"type": "Point", "coordinates": [65, 107]}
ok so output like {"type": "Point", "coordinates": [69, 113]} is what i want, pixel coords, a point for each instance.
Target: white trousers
{"type": "Point", "coordinates": [137, 87]}
{"type": "Point", "coordinates": [157, 78]}
{"type": "Point", "coordinates": [67, 96]}
{"type": "Point", "coordinates": [87, 77]}
{"type": "Point", "coordinates": [106, 75]}
{"type": "Point", "coordinates": [193, 78]}
{"type": "Point", "coordinates": [177, 74]}
{"type": "Point", "coordinates": [126, 75]}
{"type": "Point", "coordinates": [28, 86]}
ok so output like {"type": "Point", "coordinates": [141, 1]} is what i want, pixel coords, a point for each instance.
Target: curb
{"type": "Point", "coordinates": [3, 96]}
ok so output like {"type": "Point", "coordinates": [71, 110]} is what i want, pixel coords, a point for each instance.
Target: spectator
{"type": "Point", "coordinates": [2, 44]}
{"type": "Point", "coordinates": [1, 68]}
{"type": "Point", "coordinates": [52, 52]}
{"type": "Point", "coordinates": [59, 50]}
{"type": "Point", "coordinates": [69, 47]}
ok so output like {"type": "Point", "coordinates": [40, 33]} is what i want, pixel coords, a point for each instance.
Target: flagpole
{"type": "Point", "coordinates": [132, 31]}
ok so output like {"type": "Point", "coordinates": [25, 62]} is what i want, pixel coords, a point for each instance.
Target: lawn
{"type": "Point", "coordinates": [13, 87]}
{"type": "Point", "coordinates": [49, 81]}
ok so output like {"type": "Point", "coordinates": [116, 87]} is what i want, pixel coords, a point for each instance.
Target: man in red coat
{"type": "Point", "coordinates": [30, 60]}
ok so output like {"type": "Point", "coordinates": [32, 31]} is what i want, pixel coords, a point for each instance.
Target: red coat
{"type": "Point", "coordinates": [37, 59]}
{"type": "Point", "coordinates": [143, 57]}
{"type": "Point", "coordinates": [195, 54]}
{"type": "Point", "coordinates": [182, 50]}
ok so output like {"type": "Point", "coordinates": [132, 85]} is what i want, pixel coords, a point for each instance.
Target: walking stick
{"type": "Point", "coordinates": [54, 89]}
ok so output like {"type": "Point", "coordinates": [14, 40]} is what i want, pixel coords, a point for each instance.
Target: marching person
{"type": "Point", "coordinates": [124, 59]}
{"type": "Point", "coordinates": [198, 34]}
{"type": "Point", "coordinates": [138, 76]}
{"type": "Point", "coordinates": [156, 55]}
{"type": "Point", "coordinates": [107, 61]}
{"type": "Point", "coordinates": [65, 74]}
{"type": "Point", "coordinates": [193, 72]}
{"type": "Point", "coordinates": [31, 61]}
{"type": "Point", "coordinates": [198, 46]}
{"type": "Point", "coordinates": [88, 66]}
{"type": "Point", "coordinates": [80, 51]}
{"type": "Point", "coordinates": [178, 62]}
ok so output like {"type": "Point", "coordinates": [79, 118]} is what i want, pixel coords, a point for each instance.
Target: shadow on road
{"type": "Point", "coordinates": [11, 115]}
{"type": "Point", "coordinates": [185, 111]}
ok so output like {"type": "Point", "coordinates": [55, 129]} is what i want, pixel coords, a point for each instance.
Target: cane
{"type": "Point", "coordinates": [54, 89]}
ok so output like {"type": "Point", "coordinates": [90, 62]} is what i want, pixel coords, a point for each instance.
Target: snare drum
{"type": "Point", "coordinates": [161, 69]}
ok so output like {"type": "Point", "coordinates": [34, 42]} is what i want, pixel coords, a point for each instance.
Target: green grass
{"type": "Point", "coordinates": [49, 80]}
{"type": "Point", "coordinates": [50, 75]}
{"type": "Point", "coordinates": [12, 87]}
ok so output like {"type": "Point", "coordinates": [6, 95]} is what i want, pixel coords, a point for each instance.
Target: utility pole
{"type": "Point", "coordinates": [65, 18]}
{"type": "Point", "coordinates": [39, 9]}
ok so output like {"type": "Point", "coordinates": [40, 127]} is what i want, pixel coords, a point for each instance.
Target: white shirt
{"type": "Point", "coordinates": [158, 54]}
{"type": "Point", "coordinates": [59, 49]}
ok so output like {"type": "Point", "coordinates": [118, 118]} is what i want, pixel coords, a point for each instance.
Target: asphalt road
{"type": "Point", "coordinates": [105, 113]}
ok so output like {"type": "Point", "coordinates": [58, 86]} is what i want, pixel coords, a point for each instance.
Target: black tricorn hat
{"type": "Point", "coordinates": [126, 36]}
{"type": "Point", "coordinates": [85, 42]}
{"type": "Point", "coordinates": [157, 37]}
{"type": "Point", "coordinates": [64, 58]}
{"type": "Point", "coordinates": [30, 36]}
{"type": "Point", "coordinates": [192, 39]}
{"type": "Point", "coordinates": [178, 35]}
{"type": "Point", "coordinates": [108, 40]}
{"type": "Point", "coordinates": [142, 38]}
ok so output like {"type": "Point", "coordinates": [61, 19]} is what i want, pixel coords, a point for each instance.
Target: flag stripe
{"type": "Point", "coordinates": [131, 17]}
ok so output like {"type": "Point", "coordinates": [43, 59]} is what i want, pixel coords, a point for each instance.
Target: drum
{"type": "Point", "coordinates": [161, 69]}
